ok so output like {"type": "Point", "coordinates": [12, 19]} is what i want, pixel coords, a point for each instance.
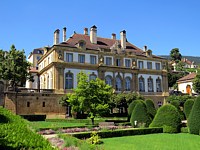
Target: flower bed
{"type": "Point", "coordinates": [74, 130]}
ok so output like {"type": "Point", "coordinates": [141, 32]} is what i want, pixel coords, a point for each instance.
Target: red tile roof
{"type": "Point", "coordinates": [102, 43]}
{"type": "Point", "coordinates": [188, 77]}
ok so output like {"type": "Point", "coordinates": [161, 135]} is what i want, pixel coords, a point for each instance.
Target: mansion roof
{"type": "Point", "coordinates": [103, 43]}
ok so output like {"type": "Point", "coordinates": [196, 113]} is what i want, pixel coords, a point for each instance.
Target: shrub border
{"type": "Point", "coordinates": [120, 132]}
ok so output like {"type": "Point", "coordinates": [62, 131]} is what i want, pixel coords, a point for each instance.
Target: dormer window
{"type": "Point", "coordinates": [81, 44]}
{"type": "Point", "coordinates": [149, 53]}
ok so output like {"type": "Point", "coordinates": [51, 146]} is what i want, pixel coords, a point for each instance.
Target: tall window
{"type": "Point", "coordinates": [93, 59]}
{"type": "Point", "coordinates": [141, 84]}
{"type": "Point", "coordinates": [149, 65]}
{"type": "Point", "coordinates": [118, 62]}
{"type": "Point", "coordinates": [48, 82]}
{"type": "Point", "coordinates": [109, 61]}
{"type": "Point", "coordinates": [69, 57]}
{"type": "Point", "coordinates": [158, 85]}
{"type": "Point", "coordinates": [127, 84]}
{"type": "Point", "coordinates": [118, 84]}
{"type": "Point", "coordinates": [157, 66]}
{"type": "Point", "coordinates": [92, 77]}
{"type": "Point", "coordinates": [108, 80]}
{"type": "Point", "coordinates": [127, 63]}
{"type": "Point", "coordinates": [140, 63]}
{"type": "Point", "coordinates": [69, 80]}
{"type": "Point", "coordinates": [81, 58]}
{"type": "Point", "coordinates": [38, 57]}
{"type": "Point", "coordinates": [150, 84]}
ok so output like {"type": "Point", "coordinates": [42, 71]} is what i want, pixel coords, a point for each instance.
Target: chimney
{"type": "Point", "coordinates": [93, 34]}
{"type": "Point", "coordinates": [56, 36]}
{"type": "Point", "coordinates": [123, 39]}
{"type": "Point", "coordinates": [64, 34]}
{"type": "Point", "coordinates": [145, 48]}
{"type": "Point", "coordinates": [86, 31]}
{"type": "Point", "coordinates": [113, 36]}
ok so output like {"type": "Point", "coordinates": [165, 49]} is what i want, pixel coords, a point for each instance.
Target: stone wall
{"type": "Point", "coordinates": [34, 104]}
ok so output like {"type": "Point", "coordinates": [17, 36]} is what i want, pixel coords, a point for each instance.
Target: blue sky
{"type": "Point", "coordinates": [161, 25]}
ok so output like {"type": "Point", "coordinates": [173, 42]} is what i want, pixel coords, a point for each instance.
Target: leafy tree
{"type": "Point", "coordinates": [175, 55]}
{"type": "Point", "coordinates": [133, 96]}
{"type": "Point", "coordinates": [168, 117]}
{"type": "Point", "coordinates": [181, 98]}
{"type": "Point", "coordinates": [173, 77]}
{"type": "Point", "coordinates": [92, 96]}
{"type": "Point", "coordinates": [140, 115]}
{"type": "Point", "coordinates": [188, 107]}
{"type": "Point", "coordinates": [196, 82]}
{"type": "Point", "coordinates": [194, 118]}
{"type": "Point", "coordinates": [14, 67]}
{"type": "Point", "coordinates": [180, 66]}
{"type": "Point", "coordinates": [151, 110]}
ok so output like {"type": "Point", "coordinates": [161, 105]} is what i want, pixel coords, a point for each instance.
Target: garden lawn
{"type": "Point", "coordinates": [182, 141]}
{"type": "Point", "coordinates": [53, 125]}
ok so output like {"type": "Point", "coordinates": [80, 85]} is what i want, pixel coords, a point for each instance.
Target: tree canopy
{"type": "Point", "coordinates": [196, 82]}
{"type": "Point", "coordinates": [14, 66]}
{"type": "Point", "coordinates": [175, 55]}
{"type": "Point", "coordinates": [92, 96]}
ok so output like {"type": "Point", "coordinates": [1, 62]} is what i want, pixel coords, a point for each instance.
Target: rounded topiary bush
{"type": "Point", "coordinates": [132, 106]}
{"type": "Point", "coordinates": [140, 115]}
{"type": "Point", "coordinates": [167, 116]}
{"type": "Point", "coordinates": [194, 117]}
{"type": "Point", "coordinates": [151, 110]}
{"type": "Point", "coordinates": [176, 103]}
{"type": "Point", "coordinates": [188, 107]}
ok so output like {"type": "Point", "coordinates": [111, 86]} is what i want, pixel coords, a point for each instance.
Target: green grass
{"type": "Point", "coordinates": [45, 124]}
{"type": "Point", "coordinates": [182, 141]}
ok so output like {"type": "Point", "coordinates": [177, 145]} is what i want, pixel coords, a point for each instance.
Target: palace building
{"type": "Point", "coordinates": [121, 64]}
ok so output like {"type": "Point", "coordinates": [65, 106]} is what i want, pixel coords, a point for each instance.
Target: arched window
{"type": "Point", "coordinates": [69, 80]}
{"type": "Point", "coordinates": [150, 84]}
{"type": "Point", "coordinates": [48, 82]}
{"type": "Point", "coordinates": [158, 85]}
{"type": "Point", "coordinates": [141, 84]}
{"type": "Point", "coordinates": [108, 80]}
{"type": "Point", "coordinates": [118, 84]}
{"type": "Point", "coordinates": [93, 77]}
{"type": "Point", "coordinates": [127, 84]}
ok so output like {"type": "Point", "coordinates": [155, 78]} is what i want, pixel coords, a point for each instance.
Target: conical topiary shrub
{"type": "Point", "coordinates": [167, 117]}
{"type": "Point", "coordinates": [140, 115]}
{"type": "Point", "coordinates": [132, 106]}
{"type": "Point", "coordinates": [188, 107]}
{"type": "Point", "coordinates": [194, 117]}
{"type": "Point", "coordinates": [176, 103]}
{"type": "Point", "coordinates": [151, 110]}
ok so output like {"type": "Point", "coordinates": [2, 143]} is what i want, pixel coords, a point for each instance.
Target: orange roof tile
{"type": "Point", "coordinates": [102, 43]}
{"type": "Point", "coordinates": [190, 76]}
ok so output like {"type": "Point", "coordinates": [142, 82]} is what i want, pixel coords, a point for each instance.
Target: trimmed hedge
{"type": "Point", "coordinates": [34, 117]}
{"type": "Point", "coordinates": [176, 103]}
{"type": "Point", "coordinates": [188, 107]}
{"type": "Point", "coordinates": [169, 117]}
{"type": "Point", "coordinates": [15, 134]}
{"type": "Point", "coordinates": [132, 106]}
{"type": "Point", "coordinates": [151, 110]}
{"type": "Point", "coordinates": [140, 115]}
{"type": "Point", "coordinates": [120, 132]}
{"type": "Point", "coordinates": [194, 118]}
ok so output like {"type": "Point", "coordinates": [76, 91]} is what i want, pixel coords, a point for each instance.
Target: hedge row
{"type": "Point", "coordinates": [15, 133]}
{"type": "Point", "coordinates": [119, 133]}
